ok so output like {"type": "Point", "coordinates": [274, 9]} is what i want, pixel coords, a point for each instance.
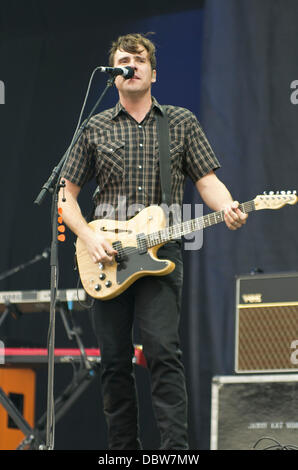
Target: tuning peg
{"type": "Point", "coordinates": [271, 193]}
{"type": "Point", "coordinates": [283, 193]}
{"type": "Point", "coordinates": [289, 192]}
{"type": "Point", "coordinates": [294, 192]}
{"type": "Point", "coordinates": [265, 193]}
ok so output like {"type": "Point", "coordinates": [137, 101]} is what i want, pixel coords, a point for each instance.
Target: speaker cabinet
{"type": "Point", "coordinates": [254, 411]}
{"type": "Point", "coordinates": [266, 323]}
{"type": "Point", "coordinates": [19, 386]}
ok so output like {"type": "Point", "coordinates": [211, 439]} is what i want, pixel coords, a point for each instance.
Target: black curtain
{"type": "Point", "coordinates": [232, 64]}
{"type": "Point", "coordinates": [249, 62]}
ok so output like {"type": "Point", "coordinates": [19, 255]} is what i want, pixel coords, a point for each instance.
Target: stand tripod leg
{"type": "Point", "coordinates": [70, 394]}
{"type": "Point", "coordinates": [17, 417]}
{"type": "Point", "coordinates": [4, 315]}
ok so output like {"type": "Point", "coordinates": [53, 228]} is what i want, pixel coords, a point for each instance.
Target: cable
{"type": "Point", "coordinates": [276, 446]}
{"type": "Point", "coordinates": [81, 303]}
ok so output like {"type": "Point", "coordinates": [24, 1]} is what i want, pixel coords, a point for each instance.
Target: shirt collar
{"type": "Point", "coordinates": [119, 108]}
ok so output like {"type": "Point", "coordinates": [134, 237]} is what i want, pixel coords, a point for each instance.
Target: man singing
{"type": "Point", "coordinates": [119, 148]}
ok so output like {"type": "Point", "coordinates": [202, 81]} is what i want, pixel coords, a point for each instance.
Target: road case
{"type": "Point", "coordinates": [246, 409]}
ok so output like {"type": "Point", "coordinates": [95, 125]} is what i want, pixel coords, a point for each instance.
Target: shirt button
{"type": "Point", "coordinates": [140, 127]}
{"type": "Point", "coordinates": [141, 145]}
{"type": "Point", "coordinates": [140, 188]}
{"type": "Point", "coordinates": [140, 167]}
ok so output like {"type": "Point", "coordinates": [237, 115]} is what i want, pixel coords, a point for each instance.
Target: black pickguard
{"type": "Point", "coordinates": [132, 261]}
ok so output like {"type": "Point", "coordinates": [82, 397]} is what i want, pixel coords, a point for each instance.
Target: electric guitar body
{"type": "Point", "coordinates": [134, 260]}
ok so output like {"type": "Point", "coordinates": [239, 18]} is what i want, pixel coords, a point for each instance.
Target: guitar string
{"type": "Point", "coordinates": [170, 233]}
{"type": "Point", "coordinates": [202, 222]}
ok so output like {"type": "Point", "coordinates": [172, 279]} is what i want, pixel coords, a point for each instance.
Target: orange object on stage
{"type": "Point", "coordinates": [19, 386]}
{"type": "Point", "coordinates": [17, 391]}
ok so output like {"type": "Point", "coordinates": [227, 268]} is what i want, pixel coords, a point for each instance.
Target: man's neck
{"type": "Point", "coordinates": [137, 106]}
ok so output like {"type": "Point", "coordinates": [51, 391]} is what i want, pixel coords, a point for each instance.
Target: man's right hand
{"type": "Point", "coordinates": [99, 249]}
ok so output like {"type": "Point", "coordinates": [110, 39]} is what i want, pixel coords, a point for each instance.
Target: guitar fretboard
{"type": "Point", "coordinates": [178, 230]}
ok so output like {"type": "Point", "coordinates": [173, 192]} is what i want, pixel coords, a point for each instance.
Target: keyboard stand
{"type": "Point", "coordinates": [35, 438]}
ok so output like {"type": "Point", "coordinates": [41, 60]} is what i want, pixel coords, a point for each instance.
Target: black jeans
{"type": "Point", "coordinates": [155, 302]}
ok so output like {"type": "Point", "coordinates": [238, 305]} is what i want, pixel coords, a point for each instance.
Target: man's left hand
{"type": "Point", "coordinates": [234, 217]}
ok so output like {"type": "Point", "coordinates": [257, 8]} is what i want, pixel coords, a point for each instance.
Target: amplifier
{"type": "Point", "coordinates": [266, 323]}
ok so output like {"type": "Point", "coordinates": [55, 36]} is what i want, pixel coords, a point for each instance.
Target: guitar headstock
{"type": "Point", "coordinates": [275, 200]}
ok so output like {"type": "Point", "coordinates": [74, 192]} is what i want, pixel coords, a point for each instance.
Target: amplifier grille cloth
{"type": "Point", "coordinates": [265, 335]}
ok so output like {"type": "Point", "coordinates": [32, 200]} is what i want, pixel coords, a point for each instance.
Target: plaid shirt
{"type": "Point", "coordinates": [123, 156]}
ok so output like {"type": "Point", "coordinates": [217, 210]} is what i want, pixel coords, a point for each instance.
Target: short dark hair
{"type": "Point", "coordinates": [131, 43]}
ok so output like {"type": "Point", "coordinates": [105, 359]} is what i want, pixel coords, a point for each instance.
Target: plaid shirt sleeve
{"type": "Point", "coordinates": [79, 168]}
{"type": "Point", "coordinates": [199, 156]}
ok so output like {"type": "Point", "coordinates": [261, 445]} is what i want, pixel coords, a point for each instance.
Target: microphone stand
{"type": "Point", "coordinates": [51, 186]}
{"type": "Point", "coordinates": [10, 272]}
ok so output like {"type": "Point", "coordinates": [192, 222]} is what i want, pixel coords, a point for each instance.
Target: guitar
{"type": "Point", "coordinates": [138, 240]}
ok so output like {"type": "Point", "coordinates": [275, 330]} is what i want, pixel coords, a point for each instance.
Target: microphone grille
{"type": "Point", "coordinates": [130, 72]}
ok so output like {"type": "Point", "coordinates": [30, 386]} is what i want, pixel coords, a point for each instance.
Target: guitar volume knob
{"type": "Point", "coordinates": [97, 287]}
{"type": "Point", "coordinates": [108, 283]}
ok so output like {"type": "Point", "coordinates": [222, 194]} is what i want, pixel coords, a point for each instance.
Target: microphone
{"type": "Point", "coordinates": [127, 72]}
{"type": "Point", "coordinates": [46, 252]}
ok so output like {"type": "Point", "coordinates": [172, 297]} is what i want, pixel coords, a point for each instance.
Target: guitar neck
{"type": "Point", "coordinates": [184, 228]}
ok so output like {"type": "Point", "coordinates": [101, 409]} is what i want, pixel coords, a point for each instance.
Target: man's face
{"type": "Point", "coordinates": [144, 75]}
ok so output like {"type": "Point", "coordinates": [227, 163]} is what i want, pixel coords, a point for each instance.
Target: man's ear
{"type": "Point", "coordinates": [153, 79]}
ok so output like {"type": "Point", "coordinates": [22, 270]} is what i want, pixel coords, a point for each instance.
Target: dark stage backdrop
{"type": "Point", "coordinates": [232, 64]}
{"type": "Point", "coordinates": [249, 62]}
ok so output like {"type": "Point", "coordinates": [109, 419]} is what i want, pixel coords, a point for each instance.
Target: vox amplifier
{"type": "Point", "coordinates": [266, 323]}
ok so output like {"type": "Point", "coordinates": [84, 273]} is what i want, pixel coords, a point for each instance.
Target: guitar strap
{"type": "Point", "coordinates": [164, 156]}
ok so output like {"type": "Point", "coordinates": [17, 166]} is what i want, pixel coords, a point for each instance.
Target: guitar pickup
{"type": "Point", "coordinates": [142, 243]}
